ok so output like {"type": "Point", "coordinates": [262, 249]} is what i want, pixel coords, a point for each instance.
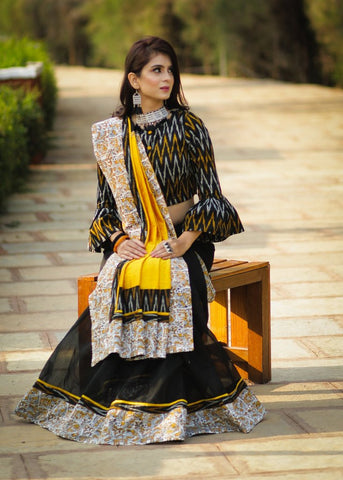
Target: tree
{"type": "Point", "coordinates": [60, 23]}
{"type": "Point", "coordinates": [297, 40]}
{"type": "Point", "coordinates": [115, 24]}
{"type": "Point", "coordinates": [294, 46]}
{"type": "Point", "coordinates": [326, 16]}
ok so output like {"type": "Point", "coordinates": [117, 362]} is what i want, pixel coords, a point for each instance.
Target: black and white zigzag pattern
{"type": "Point", "coordinates": [181, 153]}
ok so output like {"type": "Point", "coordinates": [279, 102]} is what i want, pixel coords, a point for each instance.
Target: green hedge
{"type": "Point", "coordinates": [17, 53]}
{"type": "Point", "coordinates": [25, 116]}
{"type": "Point", "coordinates": [22, 137]}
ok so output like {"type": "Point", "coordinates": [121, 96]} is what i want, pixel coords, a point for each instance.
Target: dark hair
{"type": "Point", "coordinates": [139, 55]}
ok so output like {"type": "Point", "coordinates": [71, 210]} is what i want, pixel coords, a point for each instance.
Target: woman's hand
{"type": "Point", "coordinates": [175, 247]}
{"type": "Point", "coordinates": [131, 249]}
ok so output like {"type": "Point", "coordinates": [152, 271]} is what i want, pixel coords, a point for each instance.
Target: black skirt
{"type": "Point", "coordinates": [125, 402]}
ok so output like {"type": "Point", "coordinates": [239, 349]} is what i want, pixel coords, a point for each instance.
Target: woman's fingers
{"type": "Point", "coordinates": [171, 248]}
{"type": "Point", "coordinates": [167, 249]}
{"type": "Point", "coordinates": [138, 247]}
{"type": "Point", "coordinates": [130, 249]}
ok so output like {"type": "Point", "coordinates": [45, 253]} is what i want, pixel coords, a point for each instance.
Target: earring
{"type": "Point", "coordinates": [136, 101]}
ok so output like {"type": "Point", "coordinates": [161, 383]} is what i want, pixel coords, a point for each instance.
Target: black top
{"type": "Point", "coordinates": [181, 153]}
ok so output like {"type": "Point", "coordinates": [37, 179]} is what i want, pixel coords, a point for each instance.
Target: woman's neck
{"type": "Point", "coordinates": [148, 107]}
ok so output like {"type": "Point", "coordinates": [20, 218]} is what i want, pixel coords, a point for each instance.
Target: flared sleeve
{"type": "Point", "coordinates": [106, 218]}
{"type": "Point", "coordinates": [213, 215]}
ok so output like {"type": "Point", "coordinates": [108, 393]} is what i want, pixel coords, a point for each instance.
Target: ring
{"type": "Point", "coordinates": [168, 247]}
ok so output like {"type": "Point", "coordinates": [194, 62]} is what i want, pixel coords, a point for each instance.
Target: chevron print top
{"type": "Point", "coordinates": [180, 151]}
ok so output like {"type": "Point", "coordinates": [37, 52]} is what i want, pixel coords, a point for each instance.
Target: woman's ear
{"type": "Point", "coordinates": [132, 77]}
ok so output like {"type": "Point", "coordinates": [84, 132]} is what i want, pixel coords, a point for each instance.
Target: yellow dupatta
{"type": "Point", "coordinates": [146, 273]}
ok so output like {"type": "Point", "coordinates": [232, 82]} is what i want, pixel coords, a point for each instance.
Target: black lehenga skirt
{"type": "Point", "coordinates": [131, 402]}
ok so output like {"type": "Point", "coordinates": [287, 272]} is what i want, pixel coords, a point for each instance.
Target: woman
{"type": "Point", "coordinates": [140, 365]}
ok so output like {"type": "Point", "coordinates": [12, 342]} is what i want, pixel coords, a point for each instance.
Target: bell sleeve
{"type": "Point", "coordinates": [213, 215]}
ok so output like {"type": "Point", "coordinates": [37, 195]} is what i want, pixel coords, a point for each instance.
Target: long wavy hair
{"type": "Point", "coordinates": [139, 55]}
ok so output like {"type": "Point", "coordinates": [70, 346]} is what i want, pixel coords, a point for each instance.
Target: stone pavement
{"type": "Point", "coordinates": [280, 159]}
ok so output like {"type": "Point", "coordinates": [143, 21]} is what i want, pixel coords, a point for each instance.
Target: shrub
{"type": "Point", "coordinates": [25, 116]}
{"type": "Point", "coordinates": [14, 154]}
{"type": "Point", "coordinates": [33, 120]}
{"type": "Point", "coordinates": [18, 52]}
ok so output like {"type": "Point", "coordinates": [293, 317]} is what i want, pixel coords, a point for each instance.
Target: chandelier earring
{"type": "Point", "coordinates": [137, 102]}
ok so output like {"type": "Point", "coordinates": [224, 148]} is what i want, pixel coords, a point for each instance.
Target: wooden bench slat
{"type": "Point", "coordinates": [242, 267]}
{"type": "Point", "coordinates": [226, 264]}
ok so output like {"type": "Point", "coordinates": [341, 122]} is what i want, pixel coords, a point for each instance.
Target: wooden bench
{"type": "Point", "coordinates": [241, 320]}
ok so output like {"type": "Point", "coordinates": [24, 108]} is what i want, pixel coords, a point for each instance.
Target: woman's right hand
{"type": "Point", "coordinates": [131, 249]}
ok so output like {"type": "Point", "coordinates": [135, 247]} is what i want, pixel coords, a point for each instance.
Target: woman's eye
{"type": "Point", "coordinates": [159, 70]}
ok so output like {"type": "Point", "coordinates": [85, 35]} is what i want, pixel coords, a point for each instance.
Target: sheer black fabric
{"type": "Point", "coordinates": [202, 378]}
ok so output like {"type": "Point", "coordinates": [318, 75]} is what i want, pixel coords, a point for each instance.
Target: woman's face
{"type": "Point", "coordinates": [155, 82]}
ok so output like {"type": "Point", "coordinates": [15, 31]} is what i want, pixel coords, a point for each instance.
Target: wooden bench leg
{"type": "Point", "coordinates": [239, 329]}
{"type": "Point", "coordinates": [85, 286]}
{"type": "Point", "coordinates": [219, 323]}
{"type": "Point", "coordinates": [250, 326]}
{"type": "Point", "coordinates": [266, 326]}
{"type": "Point", "coordinates": [219, 316]}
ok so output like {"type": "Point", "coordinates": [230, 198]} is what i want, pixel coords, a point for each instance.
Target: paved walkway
{"type": "Point", "coordinates": [280, 159]}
